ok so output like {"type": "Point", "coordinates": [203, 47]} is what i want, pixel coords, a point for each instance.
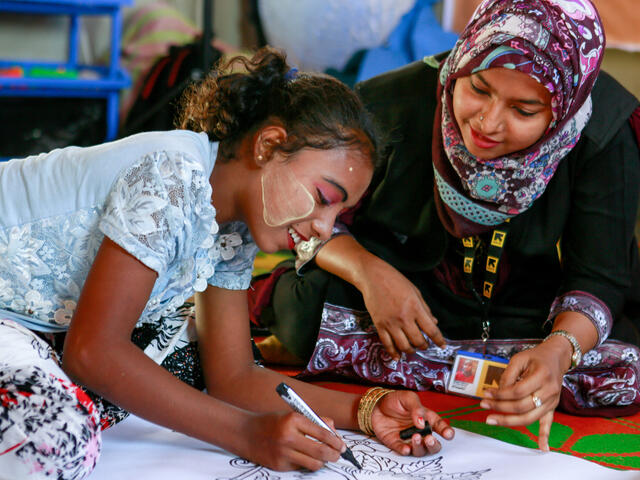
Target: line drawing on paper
{"type": "Point", "coordinates": [378, 462]}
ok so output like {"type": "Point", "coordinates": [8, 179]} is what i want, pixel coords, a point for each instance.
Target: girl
{"type": "Point", "coordinates": [101, 246]}
{"type": "Point", "coordinates": [503, 223]}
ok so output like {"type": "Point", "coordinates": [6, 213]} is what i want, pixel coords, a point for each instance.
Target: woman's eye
{"type": "Point", "coordinates": [478, 90]}
{"type": "Point", "coordinates": [524, 113]}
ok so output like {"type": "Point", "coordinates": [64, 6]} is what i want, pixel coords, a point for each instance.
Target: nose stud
{"type": "Point", "coordinates": [481, 117]}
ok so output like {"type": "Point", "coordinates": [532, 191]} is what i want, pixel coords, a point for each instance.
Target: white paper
{"type": "Point", "coordinates": [138, 450]}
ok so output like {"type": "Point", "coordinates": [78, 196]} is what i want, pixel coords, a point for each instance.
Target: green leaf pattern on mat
{"type": "Point", "coordinates": [630, 462]}
{"type": "Point", "coordinates": [619, 443]}
{"type": "Point", "coordinates": [498, 432]}
{"type": "Point", "coordinates": [559, 433]}
{"type": "Point", "coordinates": [608, 443]}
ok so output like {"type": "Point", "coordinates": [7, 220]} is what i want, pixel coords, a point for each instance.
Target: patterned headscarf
{"type": "Point", "coordinates": [560, 44]}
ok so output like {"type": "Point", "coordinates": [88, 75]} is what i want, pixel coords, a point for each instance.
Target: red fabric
{"type": "Point", "coordinates": [635, 124]}
{"type": "Point", "coordinates": [148, 88]}
{"type": "Point", "coordinates": [259, 295]}
{"type": "Point", "coordinates": [175, 68]}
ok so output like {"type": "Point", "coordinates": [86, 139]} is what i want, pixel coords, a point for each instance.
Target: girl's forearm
{"type": "Point", "coordinates": [255, 390]}
{"type": "Point", "coordinates": [124, 375]}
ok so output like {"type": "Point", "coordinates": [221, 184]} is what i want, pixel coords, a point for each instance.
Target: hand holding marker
{"type": "Point", "coordinates": [299, 405]}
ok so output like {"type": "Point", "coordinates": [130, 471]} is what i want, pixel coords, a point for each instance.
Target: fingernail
{"type": "Point", "coordinates": [343, 449]}
{"type": "Point", "coordinates": [431, 441]}
{"type": "Point", "coordinates": [420, 422]}
{"type": "Point", "coordinates": [491, 421]}
{"type": "Point", "coordinates": [488, 394]}
{"type": "Point", "coordinates": [448, 434]}
{"type": "Point", "coordinates": [484, 404]}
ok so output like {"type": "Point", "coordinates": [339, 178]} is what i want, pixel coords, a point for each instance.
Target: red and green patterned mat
{"type": "Point", "coordinates": [612, 442]}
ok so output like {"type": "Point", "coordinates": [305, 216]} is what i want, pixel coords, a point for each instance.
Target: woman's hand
{"type": "Point", "coordinates": [290, 442]}
{"type": "Point", "coordinates": [396, 306]}
{"type": "Point", "coordinates": [398, 310]}
{"type": "Point", "coordinates": [402, 409]}
{"type": "Point", "coordinates": [532, 374]}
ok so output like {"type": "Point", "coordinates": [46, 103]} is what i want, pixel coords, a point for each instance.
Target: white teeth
{"type": "Point", "coordinates": [294, 235]}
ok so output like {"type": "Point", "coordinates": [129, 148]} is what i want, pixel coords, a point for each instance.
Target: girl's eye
{"type": "Point", "coordinates": [321, 198]}
{"type": "Point", "coordinates": [478, 90]}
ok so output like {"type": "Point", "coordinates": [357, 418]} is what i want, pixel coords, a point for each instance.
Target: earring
{"type": "Point", "coordinates": [260, 158]}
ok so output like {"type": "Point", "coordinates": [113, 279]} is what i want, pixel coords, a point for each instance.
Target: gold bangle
{"type": "Point", "coordinates": [366, 406]}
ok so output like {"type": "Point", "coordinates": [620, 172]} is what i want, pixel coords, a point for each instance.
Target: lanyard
{"type": "Point", "coordinates": [494, 252]}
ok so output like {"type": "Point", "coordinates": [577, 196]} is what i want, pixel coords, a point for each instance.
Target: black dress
{"type": "Point", "coordinates": [579, 235]}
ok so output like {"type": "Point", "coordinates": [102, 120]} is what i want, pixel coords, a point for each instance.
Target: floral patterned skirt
{"type": "Point", "coordinates": [50, 427]}
{"type": "Point", "coordinates": [606, 383]}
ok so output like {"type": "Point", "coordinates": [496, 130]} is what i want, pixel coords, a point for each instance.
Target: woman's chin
{"type": "Point", "coordinates": [482, 153]}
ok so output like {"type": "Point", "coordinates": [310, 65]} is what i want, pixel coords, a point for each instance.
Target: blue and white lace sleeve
{"type": "Point", "coordinates": [159, 208]}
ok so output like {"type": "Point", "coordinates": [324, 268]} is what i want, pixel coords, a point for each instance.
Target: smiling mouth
{"type": "Point", "coordinates": [481, 141]}
{"type": "Point", "coordinates": [294, 238]}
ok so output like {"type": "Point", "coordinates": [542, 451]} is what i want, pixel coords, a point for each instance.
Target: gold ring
{"type": "Point", "coordinates": [536, 401]}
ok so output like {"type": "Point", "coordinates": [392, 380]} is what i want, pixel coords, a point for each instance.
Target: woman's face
{"type": "Point", "coordinates": [500, 111]}
{"type": "Point", "coordinates": [302, 197]}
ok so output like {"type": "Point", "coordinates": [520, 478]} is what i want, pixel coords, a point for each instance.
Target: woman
{"type": "Point", "coordinates": [502, 224]}
{"type": "Point", "coordinates": [101, 246]}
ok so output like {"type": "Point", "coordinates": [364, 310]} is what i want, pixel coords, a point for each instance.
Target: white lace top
{"type": "Point", "coordinates": [149, 193]}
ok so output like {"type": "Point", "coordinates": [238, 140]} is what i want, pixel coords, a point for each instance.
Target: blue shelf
{"type": "Point", "coordinates": [88, 81]}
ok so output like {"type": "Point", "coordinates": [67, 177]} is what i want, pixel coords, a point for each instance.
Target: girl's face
{"type": "Point", "coordinates": [500, 111]}
{"type": "Point", "coordinates": [300, 198]}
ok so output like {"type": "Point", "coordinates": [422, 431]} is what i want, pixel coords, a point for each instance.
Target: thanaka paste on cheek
{"type": "Point", "coordinates": [285, 200]}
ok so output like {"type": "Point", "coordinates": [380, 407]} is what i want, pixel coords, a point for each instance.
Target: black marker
{"type": "Point", "coordinates": [407, 433]}
{"type": "Point", "coordinates": [299, 405]}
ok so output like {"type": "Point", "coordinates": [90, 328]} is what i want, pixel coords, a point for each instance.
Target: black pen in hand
{"type": "Point", "coordinates": [299, 405]}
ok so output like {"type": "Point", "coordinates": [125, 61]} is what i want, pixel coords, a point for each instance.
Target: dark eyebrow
{"type": "Point", "coordinates": [519, 100]}
{"type": "Point", "coordinates": [345, 195]}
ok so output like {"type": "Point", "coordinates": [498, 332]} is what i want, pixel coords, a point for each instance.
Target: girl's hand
{"type": "Point", "coordinates": [532, 377]}
{"type": "Point", "coordinates": [402, 409]}
{"type": "Point", "coordinates": [290, 442]}
{"type": "Point", "coordinates": [398, 310]}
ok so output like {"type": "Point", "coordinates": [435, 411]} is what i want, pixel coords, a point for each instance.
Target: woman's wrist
{"type": "Point", "coordinates": [576, 332]}
{"type": "Point", "coordinates": [576, 350]}
{"type": "Point", "coordinates": [367, 404]}
{"type": "Point", "coordinates": [563, 350]}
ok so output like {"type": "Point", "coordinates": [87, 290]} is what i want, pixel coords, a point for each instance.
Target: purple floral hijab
{"type": "Point", "coordinates": [560, 44]}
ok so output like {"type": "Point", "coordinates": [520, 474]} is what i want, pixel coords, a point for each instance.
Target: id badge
{"type": "Point", "coordinates": [473, 372]}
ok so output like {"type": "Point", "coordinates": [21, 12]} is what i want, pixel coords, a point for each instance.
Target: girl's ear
{"type": "Point", "coordinates": [266, 141]}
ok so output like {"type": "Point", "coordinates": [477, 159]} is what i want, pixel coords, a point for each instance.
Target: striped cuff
{"type": "Point", "coordinates": [590, 306]}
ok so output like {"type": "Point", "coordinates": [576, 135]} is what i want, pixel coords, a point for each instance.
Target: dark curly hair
{"type": "Point", "coordinates": [317, 110]}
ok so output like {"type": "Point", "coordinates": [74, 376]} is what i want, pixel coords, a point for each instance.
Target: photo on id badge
{"type": "Point", "coordinates": [473, 372]}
